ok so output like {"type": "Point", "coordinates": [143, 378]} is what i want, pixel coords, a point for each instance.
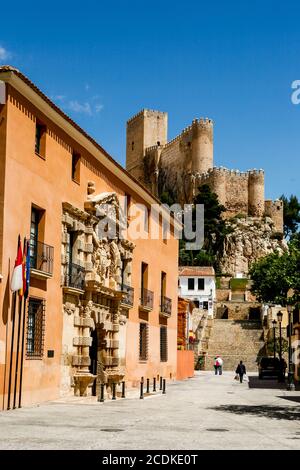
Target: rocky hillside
{"type": "Point", "coordinates": [251, 238]}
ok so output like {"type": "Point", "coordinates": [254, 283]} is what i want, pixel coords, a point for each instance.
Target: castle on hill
{"type": "Point", "coordinates": [181, 165]}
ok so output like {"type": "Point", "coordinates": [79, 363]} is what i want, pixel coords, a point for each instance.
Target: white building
{"type": "Point", "coordinates": [198, 284]}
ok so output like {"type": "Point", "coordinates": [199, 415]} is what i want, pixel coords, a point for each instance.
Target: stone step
{"type": "Point", "coordinates": [235, 341]}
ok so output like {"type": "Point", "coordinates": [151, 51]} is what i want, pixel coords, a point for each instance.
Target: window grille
{"type": "Point", "coordinates": [143, 353]}
{"type": "Point", "coordinates": [163, 344]}
{"type": "Point", "coordinates": [35, 328]}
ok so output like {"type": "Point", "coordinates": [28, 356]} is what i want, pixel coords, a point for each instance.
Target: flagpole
{"type": "Point", "coordinates": [22, 353]}
{"type": "Point", "coordinates": [25, 296]}
{"type": "Point", "coordinates": [16, 284]}
{"type": "Point", "coordinates": [11, 349]}
{"type": "Point", "coordinates": [18, 349]}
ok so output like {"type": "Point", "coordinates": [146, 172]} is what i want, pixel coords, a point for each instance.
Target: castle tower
{"type": "Point", "coordinates": [202, 145]}
{"type": "Point", "coordinates": [274, 209]}
{"type": "Point", "coordinates": [256, 193]}
{"type": "Point", "coordinates": [146, 129]}
{"type": "Point", "coordinates": [219, 183]}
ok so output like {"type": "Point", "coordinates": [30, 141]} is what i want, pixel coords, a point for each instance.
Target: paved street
{"type": "Point", "coordinates": [205, 412]}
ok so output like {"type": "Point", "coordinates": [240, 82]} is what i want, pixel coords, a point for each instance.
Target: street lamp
{"type": "Point", "coordinates": [279, 318]}
{"type": "Point", "coordinates": [290, 384]}
{"type": "Point", "coordinates": [274, 329]}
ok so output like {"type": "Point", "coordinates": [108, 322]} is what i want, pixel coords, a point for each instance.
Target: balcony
{"type": "Point", "coordinates": [128, 299]}
{"type": "Point", "coordinates": [165, 306]}
{"type": "Point", "coordinates": [41, 260]}
{"type": "Point", "coordinates": [75, 276]}
{"type": "Point", "coordinates": [146, 300]}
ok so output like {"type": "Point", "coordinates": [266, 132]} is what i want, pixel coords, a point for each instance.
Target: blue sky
{"type": "Point", "coordinates": [232, 61]}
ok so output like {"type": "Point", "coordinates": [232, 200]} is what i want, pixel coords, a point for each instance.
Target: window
{"type": "Point", "coordinates": [191, 283]}
{"type": "Point", "coordinates": [143, 350]}
{"type": "Point", "coordinates": [40, 139]}
{"type": "Point", "coordinates": [127, 206]}
{"type": "Point", "coordinates": [76, 167]}
{"type": "Point", "coordinates": [144, 276]}
{"type": "Point", "coordinates": [146, 219]}
{"type": "Point", "coordinates": [35, 328]}
{"type": "Point", "coordinates": [36, 235]}
{"type": "Point", "coordinates": [205, 305]}
{"type": "Point", "coordinates": [200, 284]}
{"type": "Point", "coordinates": [165, 230]}
{"type": "Point", "coordinates": [163, 344]}
{"type": "Point", "coordinates": [132, 145]}
{"type": "Point", "coordinates": [163, 284]}
{"type": "Point", "coordinates": [75, 273]}
{"type": "Point", "coordinates": [146, 295]}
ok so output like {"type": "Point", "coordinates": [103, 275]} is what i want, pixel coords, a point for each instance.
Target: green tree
{"type": "Point", "coordinates": [273, 275]}
{"type": "Point", "coordinates": [270, 345]}
{"type": "Point", "coordinates": [215, 230]}
{"type": "Point", "coordinates": [291, 215]}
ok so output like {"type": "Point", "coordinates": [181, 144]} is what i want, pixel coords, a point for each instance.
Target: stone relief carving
{"type": "Point", "coordinates": [69, 308]}
{"type": "Point", "coordinates": [98, 303]}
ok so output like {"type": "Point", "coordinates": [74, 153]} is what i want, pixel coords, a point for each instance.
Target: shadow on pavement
{"type": "Point", "coordinates": [294, 399]}
{"type": "Point", "coordinates": [264, 411]}
{"type": "Point", "coordinates": [269, 383]}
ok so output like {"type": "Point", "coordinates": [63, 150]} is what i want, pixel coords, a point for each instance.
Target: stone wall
{"type": "Point", "coordinates": [183, 164]}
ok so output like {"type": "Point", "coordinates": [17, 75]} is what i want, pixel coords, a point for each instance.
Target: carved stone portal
{"type": "Point", "coordinates": [97, 304]}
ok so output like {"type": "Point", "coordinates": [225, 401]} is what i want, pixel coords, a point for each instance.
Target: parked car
{"type": "Point", "coordinates": [269, 367]}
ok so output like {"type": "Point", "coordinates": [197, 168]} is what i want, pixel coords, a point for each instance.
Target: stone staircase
{"type": "Point", "coordinates": [234, 341]}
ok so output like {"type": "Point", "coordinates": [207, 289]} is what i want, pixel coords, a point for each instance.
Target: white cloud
{"type": "Point", "coordinates": [84, 108]}
{"type": "Point", "coordinates": [4, 54]}
{"type": "Point", "coordinates": [58, 97]}
{"type": "Point", "coordinates": [98, 107]}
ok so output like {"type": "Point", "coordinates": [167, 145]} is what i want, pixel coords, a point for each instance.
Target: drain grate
{"type": "Point", "coordinates": [217, 429]}
{"type": "Point", "coordinates": [112, 430]}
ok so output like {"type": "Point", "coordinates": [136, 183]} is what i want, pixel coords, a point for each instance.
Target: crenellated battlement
{"type": "Point", "coordinates": [186, 162]}
{"type": "Point", "coordinates": [152, 149]}
{"type": "Point", "coordinates": [145, 112]}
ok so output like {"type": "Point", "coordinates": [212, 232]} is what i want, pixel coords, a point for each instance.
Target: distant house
{"type": "Point", "coordinates": [197, 283]}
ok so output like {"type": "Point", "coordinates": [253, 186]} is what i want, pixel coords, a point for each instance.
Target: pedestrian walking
{"type": "Point", "coordinates": [218, 365]}
{"type": "Point", "coordinates": [241, 371]}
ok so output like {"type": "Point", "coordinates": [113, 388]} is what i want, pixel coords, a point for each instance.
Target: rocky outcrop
{"type": "Point", "coordinates": [251, 239]}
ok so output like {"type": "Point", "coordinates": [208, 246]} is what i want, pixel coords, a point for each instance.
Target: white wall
{"type": "Point", "coordinates": [209, 292]}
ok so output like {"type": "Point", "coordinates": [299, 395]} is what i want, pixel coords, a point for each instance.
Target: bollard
{"type": "Point", "coordinates": [113, 391]}
{"type": "Point", "coordinates": [160, 383]}
{"type": "Point", "coordinates": [164, 387]}
{"type": "Point", "coordinates": [101, 396]}
{"type": "Point", "coordinates": [148, 386]}
{"type": "Point", "coordinates": [123, 389]}
{"type": "Point", "coordinates": [142, 390]}
{"type": "Point", "coordinates": [154, 384]}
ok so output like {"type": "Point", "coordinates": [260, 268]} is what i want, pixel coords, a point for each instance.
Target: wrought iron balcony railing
{"type": "Point", "coordinates": [75, 276]}
{"type": "Point", "coordinates": [41, 257]}
{"type": "Point", "coordinates": [166, 305]}
{"type": "Point", "coordinates": [128, 299]}
{"type": "Point", "coordinates": [147, 298]}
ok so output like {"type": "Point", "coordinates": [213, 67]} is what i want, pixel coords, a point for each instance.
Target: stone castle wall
{"type": "Point", "coordinates": [183, 164]}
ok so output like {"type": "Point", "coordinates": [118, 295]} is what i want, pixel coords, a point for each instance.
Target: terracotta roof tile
{"type": "Point", "coordinates": [196, 271]}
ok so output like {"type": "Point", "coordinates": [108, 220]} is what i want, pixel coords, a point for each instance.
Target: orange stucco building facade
{"type": "Point", "coordinates": [99, 310]}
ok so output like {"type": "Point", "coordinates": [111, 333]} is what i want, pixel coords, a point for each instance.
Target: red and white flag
{"type": "Point", "coordinates": [17, 276]}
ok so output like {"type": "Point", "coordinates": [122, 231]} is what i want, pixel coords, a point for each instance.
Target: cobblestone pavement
{"type": "Point", "coordinates": [206, 412]}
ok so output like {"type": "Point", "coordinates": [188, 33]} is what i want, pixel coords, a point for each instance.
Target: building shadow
{"type": "Point", "coordinates": [287, 413]}
{"type": "Point", "coordinates": [267, 383]}
{"type": "Point", "coordinates": [289, 398]}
